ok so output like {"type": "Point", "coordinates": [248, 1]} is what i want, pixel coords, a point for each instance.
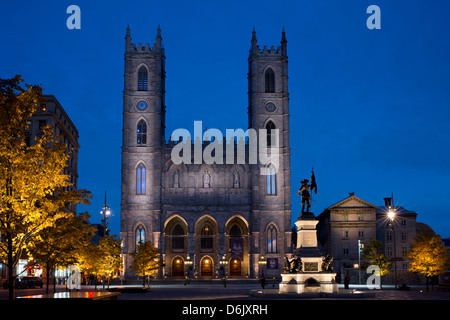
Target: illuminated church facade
{"type": "Point", "coordinates": [207, 220]}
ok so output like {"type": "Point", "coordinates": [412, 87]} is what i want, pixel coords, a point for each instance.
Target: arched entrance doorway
{"type": "Point", "coordinates": [178, 267]}
{"type": "Point", "coordinates": [235, 267]}
{"type": "Point", "coordinates": [206, 267]}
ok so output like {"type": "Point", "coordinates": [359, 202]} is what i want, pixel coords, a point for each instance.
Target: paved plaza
{"type": "Point", "coordinates": [243, 291]}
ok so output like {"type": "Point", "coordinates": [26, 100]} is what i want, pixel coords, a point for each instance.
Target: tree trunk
{"type": "Point", "coordinates": [11, 266]}
{"type": "Point", "coordinates": [47, 272]}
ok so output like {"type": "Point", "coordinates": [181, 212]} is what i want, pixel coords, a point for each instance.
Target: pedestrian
{"type": "Point", "coordinates": [346, 281]}
{"type": "Point", "coordinates": [263, 282]}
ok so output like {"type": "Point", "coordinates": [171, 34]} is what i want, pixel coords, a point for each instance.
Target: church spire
{"type": "Point", "coordinates": [254, 47]}
{"type": "Point", "coordinates": [128, 39]}
{"type": "Point", "coordinates": [283, 42]}
{"type": "Point", "coordinates": [158, 38]}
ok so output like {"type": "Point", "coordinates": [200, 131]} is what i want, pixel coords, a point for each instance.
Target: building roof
{"type": "Point", "coordinates": [354, 202]}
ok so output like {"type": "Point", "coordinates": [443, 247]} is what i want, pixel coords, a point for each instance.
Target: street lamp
{"type": "Point", "coordinates": [392, 215]}
{"type": "Point", "coordinates": [262, 263]}
{"type": "Point", "coordinates": [188, 263]}
{"type": "Point", "coordinates": [106, 212]}
{"type": "Point", "coordinates": [360, 248]}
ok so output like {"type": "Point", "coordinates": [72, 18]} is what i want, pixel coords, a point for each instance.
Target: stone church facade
{"type": "Point", "coordinates": [207, 220]}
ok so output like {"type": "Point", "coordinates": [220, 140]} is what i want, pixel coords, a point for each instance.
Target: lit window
{"type": "Point", "coordinates": [271, 180]}
{"type": "Point", "coordinates": [140, 235]}
{"type": "Point", "coordinates": [140, 179]}
{"type": "Point", "coordinates": [271, 239]}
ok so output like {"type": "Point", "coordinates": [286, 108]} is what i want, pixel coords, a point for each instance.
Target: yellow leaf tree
{"type": "Point", "coordinates": [373, 253]}
{"type": "Point", "coordinates": [61, 243]}
{"type": "Point", "coordinates": [145, 260]}
{"type": "Point", "coordinates": [32, 183]}
{"type": "Point", "coordinates": [428, 255]}
{"type": "Point", "coordinates": [110, 259]}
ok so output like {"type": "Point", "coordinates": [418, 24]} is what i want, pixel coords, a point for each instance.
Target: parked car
{"type": "Point", "coordinates": [19, 284]}
{"type": "Point", "coordinates": [33, 282]}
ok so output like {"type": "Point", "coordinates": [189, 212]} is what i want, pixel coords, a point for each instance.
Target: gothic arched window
{"type": "Point", "coordinates": [141, 131]}
{"type": "Point", "coordinates": [142, 79]}
{"type": "Point", "coordinates": [271, 179]}
{"type": "Point", "coordinates": [178, 237]}
{"type": "Point", "coordinates": [235, 231]}
{"type": "Point", "coordinates": [271, 239]}
{"type": "Point", "coordinates": [140, 235]}
{"type": "Point", "coordinates": [206, 237]}
{"type": "Point", "coordinates": [140, 179]}
{"type": "Point", "coordinates": [270, 80]}
{"type": "Point", "coordinates": [270, 127]}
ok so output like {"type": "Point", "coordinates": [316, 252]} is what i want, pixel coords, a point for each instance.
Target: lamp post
{"type": "Point", "coordinates": [188, 263]}
{"type": "Point", "coordinates": [392, 214]}
{"type": "Point", "coordinates": [106, 212]}
{"type": "Point", "coordinates": [223, 265]}
{"type": "Point", "coordinates": [360, 247]}
{"type": "Point", "coordinates": [262, 262]}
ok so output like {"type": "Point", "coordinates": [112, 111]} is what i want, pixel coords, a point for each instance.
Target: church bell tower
{"type": "Point", "coordinates": [268, 108]}
{"type": "Point", "coordinates": [143, 140]}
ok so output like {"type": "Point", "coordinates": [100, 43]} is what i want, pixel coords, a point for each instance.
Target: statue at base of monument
{"type": "Point", "coordinates": [293, 265]}
{"type": "Point", "coordinates": [326, 263]}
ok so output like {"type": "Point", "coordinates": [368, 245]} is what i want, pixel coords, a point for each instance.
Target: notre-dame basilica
{"type": "Point", "coordinates": [207, 220]}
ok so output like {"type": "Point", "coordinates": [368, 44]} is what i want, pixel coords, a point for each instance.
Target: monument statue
{"type": "Point", "coordinates": [293, 265]}
{"type": "Point", "coordinates": [326, 263]}
{"type": "Point", "coordinates": [303, 192]}
{"type": "Point", "coordinates": [313, 272]}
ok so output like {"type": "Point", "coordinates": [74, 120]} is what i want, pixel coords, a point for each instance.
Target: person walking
{"type": "Point", "coordinates": [346, 281]}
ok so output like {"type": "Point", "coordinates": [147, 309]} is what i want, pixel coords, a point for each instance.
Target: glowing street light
{"type": "Point", "coordinates": [106, 212]}
{"type": "Point", "coordinates": [392, 215]}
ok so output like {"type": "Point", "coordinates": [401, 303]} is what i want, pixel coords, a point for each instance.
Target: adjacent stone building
{"type": "Point", "coordinates": [345, 227]}
{"type": "Point", "coordinates": [207, 220]}
{"type": "Point", "coordinates": [342, 225]}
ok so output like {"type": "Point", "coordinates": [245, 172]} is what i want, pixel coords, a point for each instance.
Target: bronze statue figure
{"type": "Point", "coordinates": [304, 191]}
{"type": "Point", "coordinates": [326, 263]}
{"type": "Point", "coordinates": [293, 265]}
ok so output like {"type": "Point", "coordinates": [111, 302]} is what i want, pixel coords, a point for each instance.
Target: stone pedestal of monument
{"type": "Point", "coordinates": [311, 278]}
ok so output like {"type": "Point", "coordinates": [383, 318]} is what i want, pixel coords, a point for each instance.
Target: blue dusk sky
{"type": "Point", "coordinates": [369, 109]}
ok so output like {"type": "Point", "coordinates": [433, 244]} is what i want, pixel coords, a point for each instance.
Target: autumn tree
{"type": "Point", "coordinates": [109, 261]}
{"type": "Point", "coordinates": [61, 243]}
{"type": "Point", "coordinates": [428, 255]}
{"type": "Point", "coordinates": [145, 260]}
{"type": "Point", "coordinates": [32, 183]}
{"type": "Point", "coordinates": [373, 253]}
{"type": "Point", "coordinates": [87, 259]}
